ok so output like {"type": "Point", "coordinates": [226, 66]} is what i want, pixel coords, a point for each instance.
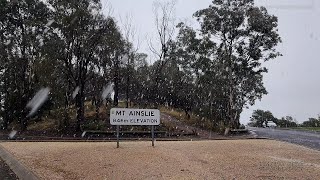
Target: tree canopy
{"type": "Point", "coordinates": [78, 52]}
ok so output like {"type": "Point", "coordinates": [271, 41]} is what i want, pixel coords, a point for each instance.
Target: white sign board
{"type": "Point", "coordinates": [124, 116]}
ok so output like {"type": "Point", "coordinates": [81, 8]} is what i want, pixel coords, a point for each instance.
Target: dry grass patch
{"type": "Point", "coordinates": [194, 120]}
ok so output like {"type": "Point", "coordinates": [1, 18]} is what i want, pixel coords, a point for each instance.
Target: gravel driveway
{"type": "Point", "coordinates": [224, 159]}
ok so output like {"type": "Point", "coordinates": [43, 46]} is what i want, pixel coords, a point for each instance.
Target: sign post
{"type": "Point", "coordinates": [117, 136]}
{"type": "Point", "coordinates": [134, 117]}
{"type": "Point", "coordinates": [152, 135]}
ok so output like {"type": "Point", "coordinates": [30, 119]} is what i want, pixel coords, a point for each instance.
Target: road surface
{"type": "Point", "coordinates": [304, 138]}
{"type": "Point", "coordinates": [5, 172]}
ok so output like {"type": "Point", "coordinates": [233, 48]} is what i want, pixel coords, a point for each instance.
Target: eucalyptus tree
{"type": "Point", "coordinates": [112, 56]}
{"type": "Point", "coordinates": [228, 52]}
{"type": "Point", "coordinates": [164, 23]}
{"type": "Point", "coordinates": [81, 30]}
{"type": "Point", "coordinates": [260, 117]}
{"type": "Point", "coordinates": [22, 26]}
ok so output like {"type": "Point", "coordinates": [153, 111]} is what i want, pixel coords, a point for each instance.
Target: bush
{"type": "Point", "coordinates": [242, 127]}
{"type": "Point", "coordinates": [221, 127]}
{"type": "Point", "coordinates": [1, 123]}
{"type": "Point", "coordinates": [94, 125]}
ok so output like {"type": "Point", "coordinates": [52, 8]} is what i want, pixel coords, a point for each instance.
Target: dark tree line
{"type": "Point", "coordinates": [69, 45]}
{"type": "Point", "coordinates": [260, 118]}
{"type": "Point", "coordinates": [312, 122]}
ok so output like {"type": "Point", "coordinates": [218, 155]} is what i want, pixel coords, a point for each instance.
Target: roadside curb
{"type": "Point", "coordinates": [19, 169]}
{"type": "Point", "coordinates": [134, 140]}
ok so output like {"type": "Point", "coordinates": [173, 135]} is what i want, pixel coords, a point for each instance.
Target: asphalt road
{"type": "Point", "coordinates": [304, 138]}
{"type": "Point", "coordinates": [5, 172]}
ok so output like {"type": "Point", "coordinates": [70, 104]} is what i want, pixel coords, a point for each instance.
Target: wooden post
{"type": "Point", "coordinates": [117, 136]}
{"type": "Point", "coordinates": [152, 135]}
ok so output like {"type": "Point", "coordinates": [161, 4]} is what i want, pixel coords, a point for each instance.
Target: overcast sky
{"type": "Point", "coordinates": [293, 81]}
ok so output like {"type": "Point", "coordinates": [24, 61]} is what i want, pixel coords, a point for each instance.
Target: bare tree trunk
{"type": "Point", "coordinates": [164, 22]}
{"type": "Point", "coordinates": [80, 113]}
{"type": "Point", "coordinates": [116, 82]}
{"type": "Point", "coordinates": [129, 35]}
{"type": "Point", "coordinates": [80, 105]}
{"type": "Point", "coordinates": [25, 94]}
{"type": "Point", "coordinates": [24, 123]}
{"type": "Point", "coordinates": [97, 106]}
{"type": "Point", "coordinates": [127, 85]}
{"type": "Point", "coordinates": [64, 123]}
{"type": "Point", "coordinates": [5, 122]}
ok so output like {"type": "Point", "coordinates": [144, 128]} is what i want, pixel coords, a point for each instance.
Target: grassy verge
{"type": "Point", "coordinates": [307, 128]}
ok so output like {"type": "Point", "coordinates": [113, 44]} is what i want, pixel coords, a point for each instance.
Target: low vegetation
{"type": "Point", "coordinates": [260, 118]}
{"type": "Point", "coordinates": [193, 119]}
{"type": "Point", "coordinates": [51, 122]}
{"type": "Point", "coordinates": [307, 128]}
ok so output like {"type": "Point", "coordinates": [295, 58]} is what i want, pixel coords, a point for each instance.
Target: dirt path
{"type": "Point", "coordinates": [186, 129]}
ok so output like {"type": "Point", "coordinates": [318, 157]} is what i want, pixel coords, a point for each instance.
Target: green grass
{"type": "Point", "coordinates": [307, 128]}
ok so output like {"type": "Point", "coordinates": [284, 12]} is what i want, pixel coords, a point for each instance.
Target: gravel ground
{"type": "Point", "coordinates": [225, 159]}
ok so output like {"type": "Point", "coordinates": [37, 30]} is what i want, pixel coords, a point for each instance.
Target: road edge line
{"type": "Point", "coordinates": [18, 168]}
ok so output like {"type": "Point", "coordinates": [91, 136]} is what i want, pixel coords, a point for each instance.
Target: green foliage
{"type": "Point", "coordinates": [260, 118]}
{"type": "Point", "coordinates": [287, 121]}
{"type": "Point", "coordinates": [221, 127]}
{"type": "Point", "coordinates": [242, 127]}
{"type": "Point", "coordinates": [21, 34]}
{"type": "Point", "coordinates": [224, 58]}
{"type": "Point", "coordinates": [312, 122]}
{"type": "Point", "coordinates": [307, 128]}
{"type": "Point", "coordinates": [211, 73]}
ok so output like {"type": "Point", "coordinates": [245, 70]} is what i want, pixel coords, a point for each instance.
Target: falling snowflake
{"type": "Point", "coordinates": [38, 100]}
{"type": "Point", "coordinates": [107, 91]}
{"type": "Point", "coordinates": [83, 134]}
{"type": "Point", "coordinates": [46, 30]}
{"type": "Point", "coordinates": [41, 42]}
{"type": "Point", "coordinates": [75, 92]}
{"type": "Point", "coordinates": [7, 43]}
{"type": "Point", "coordinates": [12, 134]}
{"type": "Point", "coordinates": [49, 22]}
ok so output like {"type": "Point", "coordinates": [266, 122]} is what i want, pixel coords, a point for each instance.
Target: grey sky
{"type": "Point", "coordinates": [293, 79]}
